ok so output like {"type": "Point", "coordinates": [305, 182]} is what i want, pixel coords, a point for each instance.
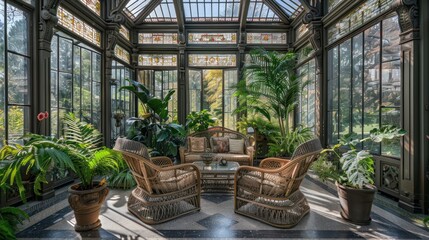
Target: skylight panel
{"type": "Point", "coordinates": [135, 7]}
{"type": "Point", "coordinates": [211, 10]}
{"type": "Point", "coordinates": [259, 12]}
{"type": "Point", "coordinates": [290, 7]}
{"type": "Point", "coordinates": [164, 12]}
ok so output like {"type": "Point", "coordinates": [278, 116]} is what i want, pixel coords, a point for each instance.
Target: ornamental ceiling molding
{"type": "Point", "coordinates": [408, 13]}
{"type": "Point", "coordinates": [48, 20]}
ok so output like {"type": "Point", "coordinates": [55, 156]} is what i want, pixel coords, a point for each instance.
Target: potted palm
{"type": "Point", "coordinates": [78, 151]}
{"type": "Point", "coordinates": [271, 89]}
{"type": "Point", "coordinates": [354, 173]}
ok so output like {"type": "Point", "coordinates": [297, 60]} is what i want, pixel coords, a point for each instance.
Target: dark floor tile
{"type": "Point", "coordinates": [216, 198]}
{"type": "Point", "coordinates": [217, 221]}
{"type": "Point", "coordinates": [172, 233]}
{"type": "Point", "coordinates": [306, 234]}
{"type": "Point", "coordinates": [67, 234]}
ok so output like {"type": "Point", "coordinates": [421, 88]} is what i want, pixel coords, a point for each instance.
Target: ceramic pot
{"type": "Point", "coordinates": [86, 205]}
{"type": "Point", "coordinates": [356, 204]}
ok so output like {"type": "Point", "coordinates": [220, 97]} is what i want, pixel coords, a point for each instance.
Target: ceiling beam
{"type": "Point", "coordinates": [146, 11]}
{"type": "Point", "coordinates": [180, 14]}
{"type": "Point", "coordinates": [243, 14]}
{"type": "Point", "coordinates": [306, 4]}
{"type": "Point", "coordinates": [277, 10]}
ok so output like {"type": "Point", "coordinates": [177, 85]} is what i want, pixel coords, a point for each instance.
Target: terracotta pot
{"type": "Point", "coordinates": [356, 204]}
{"type": "Point", "coordinates": [86, 205]}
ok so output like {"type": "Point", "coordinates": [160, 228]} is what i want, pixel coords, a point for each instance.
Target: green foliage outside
{"type": "Point", "coordinates": [348, 165]}
{"type": "Point", "coordinates": [153, 130]}
{"type": "Point", "coordinates": [199, 121]}
{"type": "Point", "coordinates": [270, 90]}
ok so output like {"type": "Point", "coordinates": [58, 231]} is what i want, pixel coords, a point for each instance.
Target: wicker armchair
{"type": "Point", "coordinates": [164, 191]}
{"type": "Point", "coordinates": [270, 193]}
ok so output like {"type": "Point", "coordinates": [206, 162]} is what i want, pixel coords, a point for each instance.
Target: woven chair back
{"type": "Point", "coordinates": [136, 156]}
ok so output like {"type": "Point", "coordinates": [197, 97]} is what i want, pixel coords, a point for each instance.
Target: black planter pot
{"type": "Point", "coordinates": [356, 204]}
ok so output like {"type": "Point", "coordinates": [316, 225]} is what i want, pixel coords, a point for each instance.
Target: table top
{"type": "Point", "coordinates": [231, 166]}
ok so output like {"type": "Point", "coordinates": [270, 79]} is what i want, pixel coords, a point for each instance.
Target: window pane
{"type": "Point", "coordinates": [18, 79]}
{"type": "Point", "coordinates": [357, 84]}
{"type": "Point", "coordinates": [333, 96]}
{"type": "Point", "coordinates": [345, 88]}
{"type": "Point", "coordinates": [212, 96]}
{"type": "Point", "coordinates": [230, 119]}
{"type": "Point", "coordinates": [17, 30]}
{"type": "Point", "coordinates": [17, 123]}
{"type": "Point", "coordinates": [391, 80]}
{"type": "Point", "coordinates": [391, 116]}
{"type": "Point", "coordinates": [65, 55]}
{"type": "Point", "coordinates": [391, 32]}
{"type": "Point", "coordinates": [371, 80]}
{"type": "Point", "coordinates": [65, 91]}
{"type": "Point", "coordinates": [194, 90]}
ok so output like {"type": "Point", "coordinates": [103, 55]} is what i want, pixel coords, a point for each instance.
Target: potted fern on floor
{"type": "Point", "coordinates": [355, 174]}
{"type": "Point", "coordinates": [78, 151]}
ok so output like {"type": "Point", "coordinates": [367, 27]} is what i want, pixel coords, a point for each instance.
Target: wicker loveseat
{"type": "Point", "coordinates": [244, 158]}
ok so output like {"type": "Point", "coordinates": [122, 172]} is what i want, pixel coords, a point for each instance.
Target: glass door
{"type": "Point", "coordinates": [212, 89]}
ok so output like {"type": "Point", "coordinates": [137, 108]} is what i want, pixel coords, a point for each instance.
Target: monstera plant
{"type": "Point", "coordinates": [354, 172]}
{"type": "Point", "coordinates": [154, 129]}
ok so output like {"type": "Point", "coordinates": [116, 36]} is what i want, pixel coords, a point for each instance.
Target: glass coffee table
{"type": "Point", "coordinates": [217, 178]}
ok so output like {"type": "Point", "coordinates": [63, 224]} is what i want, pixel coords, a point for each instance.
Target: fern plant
{"type": "Point", "coordinates": [10, 217]}
{"type": "Point", "coordinates": [78, 151]}
{"type": "Point", "coordinates": [356, 167]}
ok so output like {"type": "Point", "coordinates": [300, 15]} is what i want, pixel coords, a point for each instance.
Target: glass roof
{"type": "Point", "coordinates": [291, 7]}
{"type": "Point", "coordinates": [164, 12]}
{"type": "Point", "coordinates": [259, 12]}
{"type": "Point", "coordinates": [211, 10]}
{"type": "Point", "coordinates": [135, 7]}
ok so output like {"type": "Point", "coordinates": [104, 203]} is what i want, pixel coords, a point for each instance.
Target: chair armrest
{"type": "Point", "coordinates": [162, 161]}
{"type": "Point", "coordinates": [182, 151]}
{"type": "Point", "coordinates": [250, 152]}
{"type": "Point", "coordinates": [273, 163]}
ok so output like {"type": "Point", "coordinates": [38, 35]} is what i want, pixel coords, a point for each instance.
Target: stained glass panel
{"type": "Point", "coordinates": [260, 12]}
{"type": "Point", "coordinates": [292, 8]}
{"type": "Point", "coordinates": [74, 24]}
{"type": "Point", "coordinates": [122, 54]}
{"type": "Point", "coordinates": [333, 3]}
{"type": "Point", "coordinates": [206, 60]}
{"type": "Point", "coordinates": [305, 52]}
{"type": "Point", "coordinates": [266, 38]}
{"type": "Point", "coordinates": [211, 11]}
{"type": "Point", "coordinates": [164, 12]}
{"type": "Point", "coordinates": [134, 7]}
{"type": "Point", "coordinates": [157, 60]}
{"type": "Point", "coordinates": [94, 5]}
{"type": "Point", "coordinates": [124, 32]}
{"type": "Point", "coordinates": [212, 38]}
{"type": "Point", "coordinates": [158, 38]}
{"type": "Point", "coordinates": [360, 15]}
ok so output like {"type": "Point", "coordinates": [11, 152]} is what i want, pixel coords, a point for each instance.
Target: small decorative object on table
{"type": "Point", "coordinates": [223, 162]}
{"type": "Point", "coordinates": [207, 158]}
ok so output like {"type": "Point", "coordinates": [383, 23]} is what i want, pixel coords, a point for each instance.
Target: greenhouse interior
{"type": "Point", "coordinates": [205, 119]}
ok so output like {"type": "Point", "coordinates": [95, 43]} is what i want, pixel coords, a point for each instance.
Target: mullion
{"type": "Point", "coordinates": [169, 12]}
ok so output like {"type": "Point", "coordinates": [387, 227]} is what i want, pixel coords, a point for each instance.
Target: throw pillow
{"type": "Point", "coordinates": [219, 144]}
{"type": "Point", "coordinates": [197, 144]}
{"type": "Point", "coordinates": [236, 146]}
